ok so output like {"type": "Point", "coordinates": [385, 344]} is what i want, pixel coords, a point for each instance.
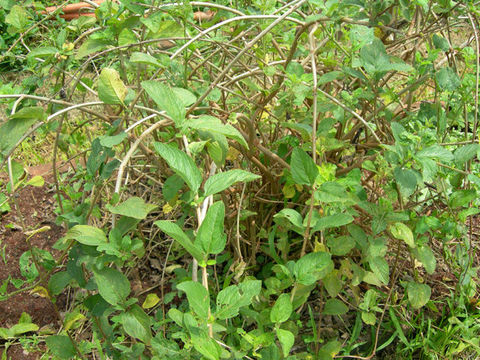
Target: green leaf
{"type": "Point", "coordinates": [312, 267]}
{"type": "Point", "coordinates": [286, 339]}
{"type": "Point", "coordinates": [22, 328]}
{"type": "Point", "coordinates": [462, 198]}
{"type": "Point", "coordinates": [58, 282]}
{"type": "Point", "coordinates": [204, 344]}
{"type": "Point", "coordinates": [447, 79]}
{"type": "Point", "coordinates": [293, 216]}
{"type": "Point", "coordinates": [210, 237]}
{"type": "Point", "coordinates": [232, 298]}
{"type": "Point", "coordinates": [425, 255]}
{"type": "Point", "coordinates": [61, 346]}
{"type": "Point", "coordinates": [43, 52]}
{"type": "Point", "coordinates": [341, 245]}
{"type": "Point", "coordinates": [126, 37]}
{"type": "Point", "coordinates": [440, 43]}
{"type": "Point", "coordinates": [172, 186]}
{"type": "Point", "coordinates": [111, 89]}
{"type": "Point", "coordinates": [215, 126]}
{"type": "Point", "coordinates": [181, 163]}
{"type": "Point", "coordinates": [282, 309]}
{"type": "Point", "coordinates": [197, 296]}
{"type": "Point", "coordinates": [137, 324]}
{"type": "Point", "coordinates": [335, 307]}
{"type": "Point", "coordinates": [304, 170]}
{"type": "Point", "coordinates": [332, 221]}
{"type": "Point", "coordinates": [17, 18]}
{"type": "Point", "coordinates": [36, 181]}
{"type": "Point", "coordinates": [224, 180]}
{"type": "Point", "coordinates": [465, 153]}
{"type": "Point", "coordinates": [186, 97]}
{"type": "Point", "coordinates": [133, 207]}
{"type": "Point", "coordinates": [402, 232]}
{"type": "Point", "coordinates": [436, 152]}
{"type": "Point", "coordinates": [142, 58]}
{"type": "Point", "coordinates": [18, 124]}
{"type": "Point", "coordinates": [369, 318]}
{"type": "Point", "coordinates": [418, 294]}
{"type": "Point", "coordinates": [87, 235]}
{"type": "Point", "coordinates": [113, 286]}
{"type": "Point", "coordinates": [406, 180]}
{"type": "Point", "coordinates": [380, 268]}
{"type": "Point", "coordinates": [175, 232]}
{"type": "Point", "coordinates": [92, 46]}
{"type": "Point", "coordinates": [111, 141]}
{"type": "Point", "coordinates": [167, 100]}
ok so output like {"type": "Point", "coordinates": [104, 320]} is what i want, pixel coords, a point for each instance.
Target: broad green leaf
{"type": "Point", "coordinates": [440, 43]}
{"type": "Point", "coordinates": [18, 124]}
{"type": "Point", "coordinates": [87, 235]}
{"type": "Point", "coordinates": [406, 180]}
{"type": "Point", "coordinates": [142, 58]}
{"type": "Point", "coordinates": [167, 100]}
{"type": "Point", "coordinates": [58, 282]}
{"type": "Point", "coordinates": [151, 300]}
{"type": "Point", "coordinates": [22, 328]}
{"type": "Point", "coordinates": [304, 170]}
{"type": "Point", "coordinates": [111, 141]}
{"type": "Point", "coordinates": [341, 245]}
{"type": "Point", "coordinates": [380, 268]}
{"type": "Point", "coordinates": [437, 152]}
{"type": "Point", "coordinates": [293, 216]}
{"type": "Point", "coordinates": [332, 221]}
{"type": "Point", "coordinates": [172, 186]}
{"type": "Point", "coordinates": [465, 153]}
{"type": "Point", "coordinates": [61, 346]}
{"type": "Point", "coordinates": [334, 307]}
{"type": "Point", "coordinates": [224, 180]}
{"type": "Point", "coordinates": [111, 89]}
{"type": "Point", "coordinates": [447, 79]}
{"type": "Point", "coordinates": [210, 237]}
{"type": "Point", "coordinates": [36, 181]}
{"type": "Point", "coordinates": [330, 350]}
{"type": "Point", "coordinates": [126, 37]}
{"type": "Point", "coordinates": [113, 286]}
{"type": "Point", "coordinates": [232, 298]}
{"type": "Point", "coordinates": [402, 232]}
{"type": "Point", "coordinates": [134, 207]}
{"type": "Point", "coordinates": [18, 18]}
{"type": "Point", "coordinates": [175, 232]}
{"type": "Point", "coordinates": [426, 256]}
{"type": "Point", "coordinates": [204, 344]}
{"type": "Point", "coordinates": [197, 296]}
{"type": "Point", "coordinates": [328, 77]}
{"type": "Point", "coordinates": [462, 198]}
{"type": "Point", "coordinates": [333, 283]}
{"type": "Point", "coordinates": [312, 267]}
{"type": "Point", "coordinates": [137, 324]}
{"type": "Point", "coordinates": [369, 318]}
{"type": "Point", "coordinates": [181, 163]}
{"type": "Point", "coordinates": [186, 97]}
{"type": "Point", "coordinates": [92, 46]}
{"type": "Point", "coordinates": [286, 339]}
{"type": "Point", "coordinates": [282, 309]}
{"type": "Point", "coordinates": [418, 294]}
{"type": "Point", "coordinates": [43, 52]}
{"type": "Point", "coordinates": [215, 126]}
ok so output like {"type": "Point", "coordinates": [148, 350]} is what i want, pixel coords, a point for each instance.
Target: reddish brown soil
{"type": "Point", "coordinates": [36, 205]}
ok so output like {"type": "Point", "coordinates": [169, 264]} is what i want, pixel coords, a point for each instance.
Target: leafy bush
{"type": "Point", "coordinates": [305, 175]}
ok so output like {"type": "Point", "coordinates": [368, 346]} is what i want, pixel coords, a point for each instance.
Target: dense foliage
{"type": "Point", "coordinates": [291, 179]}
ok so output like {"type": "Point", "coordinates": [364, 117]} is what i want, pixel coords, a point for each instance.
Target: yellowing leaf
{"type": "Point", "coordinates": [40, 291]}
{"type": "Point", "coordinates": [151, 300]}
{"type": "Point", "coordinates": [111, 89]}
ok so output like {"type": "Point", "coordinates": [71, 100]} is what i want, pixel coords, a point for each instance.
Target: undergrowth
{"type": "Point", "coordinates": [253, 179]}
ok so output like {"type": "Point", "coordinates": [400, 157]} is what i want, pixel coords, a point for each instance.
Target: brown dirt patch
{"type": "Point", "coordinates": [36, 209]}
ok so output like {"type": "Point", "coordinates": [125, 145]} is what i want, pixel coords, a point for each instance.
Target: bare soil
{"type": "Point", "coordinates": [35, 209]}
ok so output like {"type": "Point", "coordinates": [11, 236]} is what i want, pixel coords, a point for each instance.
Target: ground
{"type": "Point", "coordinates": [36, 205]}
